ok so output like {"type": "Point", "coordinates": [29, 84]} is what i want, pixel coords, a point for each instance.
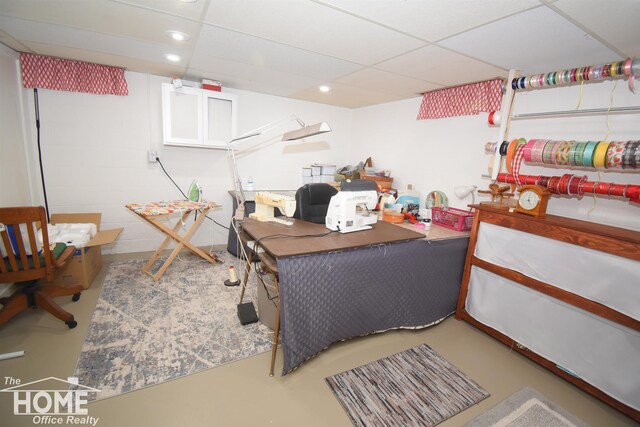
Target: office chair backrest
{"type": "Point", "coordinates": [312, 202]}
{"type": "Point", "coordinates": [22, 259]}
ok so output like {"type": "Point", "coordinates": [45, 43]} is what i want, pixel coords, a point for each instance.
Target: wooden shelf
{"type": "Point", "coordinates": [603, 238]}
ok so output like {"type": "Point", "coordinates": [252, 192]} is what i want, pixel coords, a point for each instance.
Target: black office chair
{"type": "Point", "coordinates": [312, 202]}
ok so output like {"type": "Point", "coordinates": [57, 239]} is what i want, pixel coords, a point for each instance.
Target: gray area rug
{"type": "Point", "coordinates": [416, 387]}
{"type": "Point", "coordinates": [526, 408]}
{"type": "Point", "coordinates": [144, 333]}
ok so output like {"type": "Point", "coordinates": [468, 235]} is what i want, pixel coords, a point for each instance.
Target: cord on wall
{"type": "Point", "coordinates": [184, 195]}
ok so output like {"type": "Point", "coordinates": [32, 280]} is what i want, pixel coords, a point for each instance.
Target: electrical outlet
{"type": "Point", "coordinates": [152, 155]}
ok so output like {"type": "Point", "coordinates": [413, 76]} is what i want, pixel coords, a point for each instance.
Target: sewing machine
{"type": "Point", "coordinates": [267, 202]}
{"type": "Point", "coordinates": [343, 214]}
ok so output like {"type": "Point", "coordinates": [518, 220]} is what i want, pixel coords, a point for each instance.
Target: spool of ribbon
{"type": "Point", "coordinates": [503, 148]}
{"type": "Point", "coordinates": [490, 147]}
{"type": "Point", "coordinates": [600, 155]}
{"type": "Point", "coordinates": [627, 191]}
{"type": "Point", "coordinates": [589, 150]}
{"type": "Point", "coordinates": [494, 118]}
{"type": "Point", "coordinates": [517, 162]}
{"type": "Point", "coordinates": [629, 68]}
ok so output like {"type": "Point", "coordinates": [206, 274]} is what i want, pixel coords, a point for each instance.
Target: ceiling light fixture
{"type": "Point", "coordinates": [324, 88]}
{"type": "Point", "coordinates": [177, 35]}
{"type": "Point", "coordinates": [187, 1]}
{"type": "Point", "coordinates": [171, 57]}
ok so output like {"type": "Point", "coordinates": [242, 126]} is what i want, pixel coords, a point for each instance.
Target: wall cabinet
{"type": "Point", "coordinates": [200, 118]}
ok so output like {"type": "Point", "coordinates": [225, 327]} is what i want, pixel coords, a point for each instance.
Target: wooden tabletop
{"type": "Point", "coordinates": [304, 237]}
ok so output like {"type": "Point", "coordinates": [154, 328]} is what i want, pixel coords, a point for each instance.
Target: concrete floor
{"type": "Point", "coordinates": [242, 394]}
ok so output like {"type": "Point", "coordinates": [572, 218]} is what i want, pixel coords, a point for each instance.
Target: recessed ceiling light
{"type": "Point", "coordinates": [173, 58]}
{"type": "Point", "coordinates": [187, 1]}
{"type": "Point", "coordinates": [177, 35]}
{"type": "Point", "coordinates": [324, 88]}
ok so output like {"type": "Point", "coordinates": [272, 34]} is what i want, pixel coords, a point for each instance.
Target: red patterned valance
{"type": "Point", "coordinates": [461, 100]}
{"type": "Point", "coordinates": [75, 76]}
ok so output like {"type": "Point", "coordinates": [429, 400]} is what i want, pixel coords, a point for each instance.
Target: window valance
{"type": "Point", "coordinates": [47, 72]}
{"type": "Point", "coordinates": [462, 100]}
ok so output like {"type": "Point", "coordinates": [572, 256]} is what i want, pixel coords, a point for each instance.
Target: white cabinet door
{"type": "Point", "coordinates": [220, 118]}
{"type": "Point", "coordinates": [194, 117]}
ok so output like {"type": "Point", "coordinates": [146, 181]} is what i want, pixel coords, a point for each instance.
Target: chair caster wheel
{"type": "Point", "coordinates": [72, 324]}
{"type": "Point", "coordinates": [75, 297]}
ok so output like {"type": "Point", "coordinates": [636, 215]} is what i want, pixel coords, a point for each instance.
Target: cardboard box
{"type": "Point", "coordinates": [86, 262]}
{"type": "Point", "coordinates": [383, 182]}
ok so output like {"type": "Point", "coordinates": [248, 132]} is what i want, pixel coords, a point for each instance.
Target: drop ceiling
{"type": "Point", "coordinates": [367, 51]}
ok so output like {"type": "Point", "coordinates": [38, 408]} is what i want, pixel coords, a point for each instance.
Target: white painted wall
{"type": "Point", "coordinates": [441, 154]}
{"type": "Point", "coordinates": [14, 175]}
{"type": "Point", "coordinates": [95, 150]}
{"type": "Point", "coordinates": [95, 156]}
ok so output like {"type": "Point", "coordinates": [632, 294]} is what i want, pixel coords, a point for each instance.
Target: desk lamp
{"type": "Point", "coordinates": [304, 132]}
{"type": "Point", "coordinates": [463, 191]}
{"type": "Point", "coordinates": [246, 311]}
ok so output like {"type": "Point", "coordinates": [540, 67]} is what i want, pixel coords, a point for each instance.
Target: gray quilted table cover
{"type": "Point", "coordinates": [330, 297]}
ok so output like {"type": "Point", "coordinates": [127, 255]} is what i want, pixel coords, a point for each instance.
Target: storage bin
{"type": "Point", "coordinates": [455, 219]}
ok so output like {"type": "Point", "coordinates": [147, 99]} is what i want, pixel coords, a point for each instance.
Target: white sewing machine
{"type": "Point", "coordinates": [267, 202]}
{"type": "Point", "coordinates": [343, 214]}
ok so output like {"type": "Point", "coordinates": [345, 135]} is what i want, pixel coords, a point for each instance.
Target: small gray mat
{"type": "Point", "coordinates": [526, 408]}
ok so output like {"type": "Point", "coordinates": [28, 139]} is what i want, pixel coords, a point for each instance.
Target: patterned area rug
{"type": "Point", "coordinates": [416, 387]}
{"type": "Point", "coordinates": [144, 333]}
{"type": "Point", "coordinates": [526, 408]}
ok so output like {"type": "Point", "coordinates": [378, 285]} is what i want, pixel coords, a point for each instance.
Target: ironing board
{"type": "Point", "coordinates": [155, 212]}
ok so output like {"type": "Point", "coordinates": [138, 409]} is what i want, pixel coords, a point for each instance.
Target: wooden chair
{"type": "Point", "coordinates": [27, 271]}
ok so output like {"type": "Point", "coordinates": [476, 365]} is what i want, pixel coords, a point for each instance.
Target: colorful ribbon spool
{"type": "Point", "coordinates": [600, 155]}
{"type": "Point", "coordinates": [589, 151]}
{"type": "Point", "coordinates": [552, 185]}
{"type": "Point", "coordinates": [615, 153]}
{"type": "Point", "coordinates": [563, 184]}
{"type": "Point", "coordinates": [634, 156]}
{"type": "Point", "coordinates": [494, 118]}
{"type": "Point", "coordinates": [547, 153]}
{"type": "Point", "coordinates": [561, 153]}
{"type": "Point", "coordinates": [527, 150]}
{"type": "Point", "coordinates": [517, 162]}
{"type": "Point", "coordinates": [576, 154]}
{"type": "Point", "coordinates": [504, 147]}
{"type": "Point", "coordinates": [537, 149]}
{"type": "Point", "coordinates": [511, 151]}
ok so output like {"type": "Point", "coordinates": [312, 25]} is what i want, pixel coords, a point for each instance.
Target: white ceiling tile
{"type": "Point", "coordinates": [313, 27]}
{"type": "Point", "coordinates": [261, 83]}
{"type": "Point", "coordinates": [102, 16]}
{"type": "Point", "coordinates": [433, 20]}
{"type": "Point", "coordinates": [31, 31]}
{"type": "Point", "coordinates": [441, 66]}
{"type": "Point", "coordinates": [383, 81]}
{"type": "Point", "coordinates": [218, 43]}
{"type": "Point", "coordinates": [131, 64]}
{"type": "Point", "coordinates": [289, 47]}
{"type": "Point", "coordinates": [617, 25]}
{"type": "Point", "coordinates": [234, 74]}
{"type": "Point", "coordinates": [346, 96]}
{"type": "Point", "coordinates": [534, 41]}
{"type": "Point", "coordinates": [191, 10]}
